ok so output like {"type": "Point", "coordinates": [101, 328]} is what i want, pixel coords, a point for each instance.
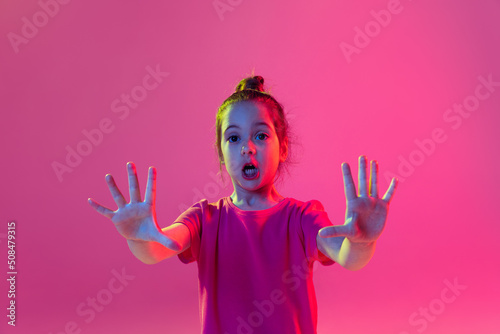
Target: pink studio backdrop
{"type": "Point", "coordinates": [382, 78]}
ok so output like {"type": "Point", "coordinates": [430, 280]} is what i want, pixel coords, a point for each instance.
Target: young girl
{"type": "Point", "coordinates": [255, 249]}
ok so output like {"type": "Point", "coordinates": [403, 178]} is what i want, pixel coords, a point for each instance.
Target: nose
{"type": "Point", "coordinates": [248, 148]}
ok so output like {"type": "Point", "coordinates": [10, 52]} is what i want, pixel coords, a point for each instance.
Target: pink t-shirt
{"type": "Point", "coordinates": [255, 267]}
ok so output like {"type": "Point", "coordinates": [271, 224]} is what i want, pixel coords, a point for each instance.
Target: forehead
{"type": "Point", "coordinates": [246, 113]}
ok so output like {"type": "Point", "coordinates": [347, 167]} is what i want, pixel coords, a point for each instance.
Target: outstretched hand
{"type": "Point", "coordinates": [366, 213]}
{"type": "Point", "coordinates": [135, 220]}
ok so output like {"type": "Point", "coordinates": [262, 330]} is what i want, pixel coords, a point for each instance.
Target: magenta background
{"type": "Point", "coordinates": [443, 222]}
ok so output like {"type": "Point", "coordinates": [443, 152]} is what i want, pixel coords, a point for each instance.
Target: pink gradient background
{"type": "Point", "coordinates": [443, 222]}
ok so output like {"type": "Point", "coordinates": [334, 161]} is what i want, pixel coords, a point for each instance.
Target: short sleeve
{"type": "Point", "coordinates": [314, 218]}
{"type": "Point", "coordinates": [192, 218]}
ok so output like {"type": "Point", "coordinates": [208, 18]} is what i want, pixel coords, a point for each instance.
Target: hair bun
{"type": "Point", "coordinates": [255, 83]}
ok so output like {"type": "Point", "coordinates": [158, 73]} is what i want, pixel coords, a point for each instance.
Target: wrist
{"type": "Point", "coordinates": [168, 241]}
{"type": "Point", "coordinates": [355, 255]}
{"type": "Point", "coordinates": [361, 244]}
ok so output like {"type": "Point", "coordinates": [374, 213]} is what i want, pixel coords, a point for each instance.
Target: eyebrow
{"type": "Point", "coordinates": [256, 124]}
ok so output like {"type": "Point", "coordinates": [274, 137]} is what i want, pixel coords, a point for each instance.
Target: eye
{"type": "Point", "coordinates": [262, 136]}
{"type": "Point", "coordinates": [232, 139]}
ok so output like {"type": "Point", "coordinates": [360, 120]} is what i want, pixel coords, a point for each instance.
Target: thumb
{"type": "Point", "coordinates": [338, 230]}
{"type": "Point", "coordinates": [334, 231]}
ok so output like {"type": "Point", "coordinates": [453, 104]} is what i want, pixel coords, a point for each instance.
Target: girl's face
{"type": "Point", "coordinates": [250, 146]}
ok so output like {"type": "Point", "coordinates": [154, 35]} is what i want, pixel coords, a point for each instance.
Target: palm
{"type": "Point", "coordinates": [366, 213]}
{"type": "Point", "coordinates": [371, 214]}
{"type": "Point", "coordinates": [135, 220]}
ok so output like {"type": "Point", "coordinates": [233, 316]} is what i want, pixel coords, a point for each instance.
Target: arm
{"type": "Point", "coordinates": [352, 245]}
{"type": "Point", "coordinates": [173, 240]}
{"type": "Point", "coordinates": [350, 255]}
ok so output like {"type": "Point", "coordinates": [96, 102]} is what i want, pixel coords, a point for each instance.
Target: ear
{"type": "Point", "coordinates": [283, 152]}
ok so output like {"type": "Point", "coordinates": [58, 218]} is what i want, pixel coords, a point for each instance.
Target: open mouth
{"type": "Point", "coordinates": [250, 172]}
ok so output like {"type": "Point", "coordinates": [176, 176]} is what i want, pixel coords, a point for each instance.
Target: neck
{"type": "Point", "coordinates": [249, 200]}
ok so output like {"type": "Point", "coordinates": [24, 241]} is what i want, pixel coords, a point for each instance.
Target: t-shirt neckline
{"type": "Point", "coordinates": [256, 212]}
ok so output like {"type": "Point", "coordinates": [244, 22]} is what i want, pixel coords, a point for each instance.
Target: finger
{"type": "Point", "coordinates": [349, 189]}
{"type": "Point", "coordinates": [373, 179]}
{"type": "Point", "coordinates": [334, 231]}
{"type": "Point", "coordinates": [150, 196]}
{"type": "Point", "coordinates": [102, 210]}
{"type": "Point", "coordinates": [363, 192]}
{"type": "Point", "coordinates": [133, 184]}
{"type": "Point", "coordinates": [338, 230]}
{"type": "Point", "coordinates": [390, 192]}
{"type": "Point", "coordinates": [115, 192]}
